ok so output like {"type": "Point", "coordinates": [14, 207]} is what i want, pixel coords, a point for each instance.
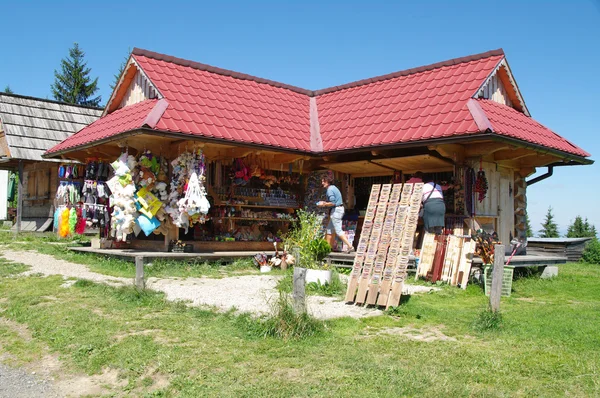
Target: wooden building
{"type": "Point", "coordinates": [28, 128]}
{"type": "Point", "coordinates": [452, 120]}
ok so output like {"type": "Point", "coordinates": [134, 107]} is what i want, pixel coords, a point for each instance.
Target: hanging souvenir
{"type": "Point", "coordinates": [187, 201]}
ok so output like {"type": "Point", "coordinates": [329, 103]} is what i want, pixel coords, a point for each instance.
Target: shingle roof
{"type": "Point", "coordinates": [229, 108]}
{"type": "Point", "coordinates": [33, 125]}
{"type": "Point", "coordinates": [422, 105]}
{"type": "Point", "coordinates": [509, 122]}
{"type": "Point", "coordinates": [418, 104]}
{"type": "Point", "coordinates": [122, 120]}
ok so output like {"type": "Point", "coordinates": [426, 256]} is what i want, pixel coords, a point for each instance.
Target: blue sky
{"type": "Point", "coordinates": [553, 48]}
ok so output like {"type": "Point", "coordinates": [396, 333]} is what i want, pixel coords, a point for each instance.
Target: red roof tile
{"type": "Point", "coordinates": [425, 103]}
{"type": "Point", "coordinates": [125, 119]}
{"type": "Point", "coordinates": [228, 108]}
{"type": "Point", "coordinates": [512, 123]}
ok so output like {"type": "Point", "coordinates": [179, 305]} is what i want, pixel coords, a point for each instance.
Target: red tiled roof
{"type": "Point", "coordinates": [418, 104]}
{"type": "Point", "coordinates": [122, 120]}
{"type": "Point", "coordinates": [213, 105]}
{"type": "Point", "coordinates": [429, 103]}
{"type": "Point", "coordinates": [509, 122]}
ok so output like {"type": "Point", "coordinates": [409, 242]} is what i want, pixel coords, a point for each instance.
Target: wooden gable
{"type": "Point", "coordinates": [133, 87]}
{"type": "Point", "coordinates": [502, 88]}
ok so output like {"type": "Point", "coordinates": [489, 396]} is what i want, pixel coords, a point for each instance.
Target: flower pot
{"type": "Point", "coordinates": [318, 275]}
{"type": "Point", "coordinates": [265, 268]}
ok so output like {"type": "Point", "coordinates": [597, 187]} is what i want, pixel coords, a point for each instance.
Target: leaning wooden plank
{"type": "Point", "coordinates": [447, 262]}
{"type": "Point", "coordinates": [456, 261]}
{"type": "Point", "coordinates": [384, 244]}
{"type": "Point", "coordinates": [363, 243]}
{"type": "Point", "coordinates": [414, 200]}
{"type": "Point", "coordinates": [393, 253]}
{"type": "Point", "coordinates": [372, 263]}
{"type": "Point", "coordinates": [467, 255]}
{"type": "Point", "coordinates": [426, 256]}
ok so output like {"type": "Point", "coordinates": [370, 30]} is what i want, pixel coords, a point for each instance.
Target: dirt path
{"type": "Point", "coordinates": [250, 293]}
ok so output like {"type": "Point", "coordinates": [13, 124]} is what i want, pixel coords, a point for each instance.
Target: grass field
{"type": "Point", "coordinates": [548, 343]}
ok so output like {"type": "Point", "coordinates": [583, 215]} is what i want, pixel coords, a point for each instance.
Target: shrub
{"type": "Point", "coordinates": [591, 253]}
{"type": "Point", "coordinates": [285, 323]}
{"type": "Point", "coordinates": [487, 320]}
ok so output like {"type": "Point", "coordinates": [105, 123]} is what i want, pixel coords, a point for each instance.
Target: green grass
{"type": "Point", "coordinates": [8, 268]}
{"type": "Point", "coordinates": [49, 243]}
{"type": "Point", "coordinates": [548, 343]}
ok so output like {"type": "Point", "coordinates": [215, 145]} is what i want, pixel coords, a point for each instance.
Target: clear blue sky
{"type": "Point", "coordinates": [552, 47]}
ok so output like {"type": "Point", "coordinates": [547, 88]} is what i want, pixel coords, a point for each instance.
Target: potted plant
{"type": "Point", "coordinates": [318, 270]}
{"type": "Point", "coordinates": [308, 246]}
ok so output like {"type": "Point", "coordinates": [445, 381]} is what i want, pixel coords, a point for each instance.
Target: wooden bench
{"type": "Point", "coordinates": [548, 264]}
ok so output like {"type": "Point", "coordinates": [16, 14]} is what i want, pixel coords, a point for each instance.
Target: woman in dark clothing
{"type": "Point", "coordinates": [434, 208]}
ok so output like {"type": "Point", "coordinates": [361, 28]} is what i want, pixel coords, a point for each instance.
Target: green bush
{"type": "Point", "coordinates": [284, 322]}
{"type": "Point", "coordinates": [320, 249]}
{"type": "Point", "coordinates": [591, 253]}
{"type": "Point", "coordinates": [488, 320]}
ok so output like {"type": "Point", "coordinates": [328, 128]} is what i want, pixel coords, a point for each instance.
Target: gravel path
{"type": "Point", "coordinates": [249, 293]}
{"type": "Point", "coordinates": [16, 383]}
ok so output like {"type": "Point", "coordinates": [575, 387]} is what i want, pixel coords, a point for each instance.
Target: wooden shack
{"type": "Point", "coordinates": [28, 128]}
{"type": "Point", "coordinates": [571, 248]}
{"type": "Point", "coordinates": [452, 119]}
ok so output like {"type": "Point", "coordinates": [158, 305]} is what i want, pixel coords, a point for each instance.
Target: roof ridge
{"type": "Point", "coordinates": [311, 93]}
{"type": "Point", "coordinates": [411, 71]}
{"type": "Point", "coordinates": [51, 101]}
{"type": "Point", "coordinates": [220, 71]}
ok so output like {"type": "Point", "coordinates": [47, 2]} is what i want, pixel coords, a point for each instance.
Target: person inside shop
{"type": "Point", "coordinates": [433, 206]}
{"type": "Point", "coordinates": [336, 213]}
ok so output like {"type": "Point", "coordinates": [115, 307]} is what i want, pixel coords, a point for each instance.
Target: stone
{"type": "Point", "coordinates": [550, 271]}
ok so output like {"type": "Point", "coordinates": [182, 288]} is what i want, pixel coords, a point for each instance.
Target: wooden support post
{"type": "Point", "coordinates": [497, 276]}
{"type": "Point", "coordinates": [299, 289]}
{"type": "Point", "coordinates": [139, 272]}
{"type": "Point", "coordinates": [20, 197]}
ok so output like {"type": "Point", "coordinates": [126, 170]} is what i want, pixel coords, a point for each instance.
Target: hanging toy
{"type": "Point", "coordinates": [72, 220]}
{"type": "Point", "coordinates": [56, 219]}
{"type": "Point", "coordinates": [63, 226]}
{"type": "Point", "coordinates": [80, 227]}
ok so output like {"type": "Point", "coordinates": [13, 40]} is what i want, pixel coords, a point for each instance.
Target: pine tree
{"type": "Point", "coordinates": [73, 84]}
{"type": "Point", "coordinates": [7, 90]}
{"type": "Point", "coordinates": [576, 229]}
{"type": "Point", "coordinates": [528, 231]}
{"type": "Point", "coordinates": [120, 72]}
{"type": "Point", "coordinates": [549, 227]}
{"type": "Point", "coordinates": [581, 229]}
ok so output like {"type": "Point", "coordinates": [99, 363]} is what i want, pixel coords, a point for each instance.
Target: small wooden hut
{"type": "Point", "coordinates": [28, 128]}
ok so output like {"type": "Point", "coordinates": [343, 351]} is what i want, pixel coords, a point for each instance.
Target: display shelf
{"type": "Point", "coordinates": [259, 206]}
{"type": "Point", "coordinates": [255, 219]}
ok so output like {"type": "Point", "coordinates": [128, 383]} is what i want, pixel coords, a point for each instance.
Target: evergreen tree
{"type": "Point", "coordinates": [7, 90]}
{"type": "Point", "coordinates": [528, 231]}
{"type": "Point", "coordinates": [549, 227]}
{"type": "Point", "coordinates": [581, 229]}
{"type": "Point", "coordinates": [73, 83]}
{"type": "Point", "coordinates": [120, 72]}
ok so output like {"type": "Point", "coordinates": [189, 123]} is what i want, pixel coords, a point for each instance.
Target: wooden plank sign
{"type": "Point", "coordinates": [363, 243]}
{"type": "Point", "coordinates": [411, 197]}
{"type": "Point", "coordinates": [371, 262]}
{"type": "Point", "coordinates": [384, 244]}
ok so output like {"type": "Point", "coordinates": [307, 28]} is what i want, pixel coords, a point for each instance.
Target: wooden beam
{"type": "Point", "coordinates": [526, 171]}
{"type": "Point", "coordinates": [538, 161]}
{"type": "Point", "coordinates": [513, 154]}
{"type": "Point", "coordinates": [484, 149]}
{"type": "Point", "coordinates": [20, 197]}
{"type": "Point", "coordinates": [456, 152]}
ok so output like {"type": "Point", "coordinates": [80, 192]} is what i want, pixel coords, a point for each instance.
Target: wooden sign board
{"type": "Point", "coordinates": [384, 245]}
